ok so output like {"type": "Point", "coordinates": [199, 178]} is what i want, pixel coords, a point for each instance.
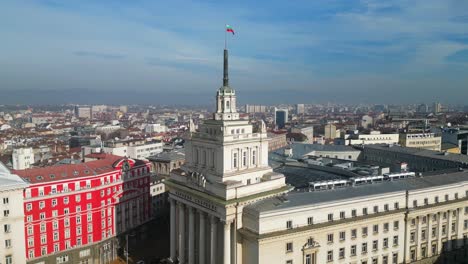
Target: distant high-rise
{"type": "Point", "coordinates": [422, 108]}
{"type": "Point", "coordinates": [436, 107]}
{"type": "Point", "coordinates": [83, 111]}
{"type": "Point", "coordinates": [23, 158]}
{"type": "Point", "coordinates": [255, 108]}
{"type": "Point", "coordinates": [300, 109]}
{"type": "Point", "coordinates": [281, 118]}
{"type": "Point", "coordinates": [123, 108]}
{"type": "Point", "coordinates": [330, 131]}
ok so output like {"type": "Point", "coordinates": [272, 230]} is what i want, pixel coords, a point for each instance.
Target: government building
{"type": "Point", "coordinates": [228, 206]}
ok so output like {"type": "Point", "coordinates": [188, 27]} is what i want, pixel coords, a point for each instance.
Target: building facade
{"type": "Point", "coordinates": [74, 212]}
{"type": "Point", "coordinates": [330, 131]}
{"type": "Point", "coordinates": [277, 140]}
{"type": "Point", "coordinates": [226, 169]}
{"type": "Point", "coordinates": [375, 137]}
{"type": "Point", "coordinates": [23, 158]}
{"type": "Point", "coordinates": [134, 148]}
{"type": "Point", "coordinates": [308, 131]}
{"type": "Point", "coordinates": [12, 247]}
{"type": "Point", "coordinates": [281, 118]}
{"type": "Point", "coordinates": [429, 141]}
{"type": "Point", "coordinates": [403, 221]}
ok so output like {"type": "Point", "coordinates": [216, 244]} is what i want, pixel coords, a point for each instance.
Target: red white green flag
{"type": "Point", "coordinates": [229, 29]}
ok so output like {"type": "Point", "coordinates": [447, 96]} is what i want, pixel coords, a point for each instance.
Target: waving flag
{"type": "Point", "coordinates": [229, 29]}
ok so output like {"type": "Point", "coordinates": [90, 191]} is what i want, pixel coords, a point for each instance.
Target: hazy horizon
{"type": "Point", "coordinates": [129, 52]}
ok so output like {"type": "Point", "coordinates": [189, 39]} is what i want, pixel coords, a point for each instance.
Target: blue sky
{"type": "Point", "coordinates": [283, 51]}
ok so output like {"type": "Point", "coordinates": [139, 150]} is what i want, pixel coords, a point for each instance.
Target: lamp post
{"type": "Point", "coordinates": [126, 240]}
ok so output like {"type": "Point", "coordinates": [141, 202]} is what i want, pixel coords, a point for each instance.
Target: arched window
{"type": "Point", "coordinates": [227, 104]}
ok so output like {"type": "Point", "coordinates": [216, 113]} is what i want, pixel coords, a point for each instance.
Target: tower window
{"type": "Point", "coordinates": [244, 159]}
{"type": "Point", "coordinates": [234, 160]}
{"type": "Point", "coordinates": [253, 157]}
{"type": "Point", "coordinates": [227, 104]}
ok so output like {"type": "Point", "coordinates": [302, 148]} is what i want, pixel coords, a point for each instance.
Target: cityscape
{"type": "Point", "coordinates": [272, 163]}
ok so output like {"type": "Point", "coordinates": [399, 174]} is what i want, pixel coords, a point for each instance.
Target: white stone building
{"type": "Point", "coordinates": [228, 206]}
{"type": "Point", "coordinates": [135, 149]}
{"type": "Point", "coordinates": [401, 221]}
{"type": "Point", "coordinates": [374, 137]}
{"type": "Point", "coordinates": [226, 169]}
{"type": "Point", "coordinates": [429, 141]}
{"type": "Point", "coordinates": [22, 158]}
{"type": "Point", "coordinates": [12, 244]}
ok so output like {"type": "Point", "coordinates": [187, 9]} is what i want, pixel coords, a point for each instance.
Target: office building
{"type": "Point", "coordinates": [429, 141]}
{"type": "Point", "coordinates": [73, 212]}
{"type": "Point", "coordinates": [256, 108]}
{"type": "Point", "coordinates": [436, 107]}
{"type": "Point", "coordinates": [281, 118]}
{"type": "Point", "coordinates": [83, 112]}
{"type": "Point", "coordinates": [457, 136]}
{"type": "Point", "coordinates": [300, 109]}
{"type": "Point", "coordinates": [131, 148]}
{"type": "Point", "coordinates": [373, 137]}
{"type": "Point", "coordinates": [23, 158]}
{"type": "Point", "coordinates": [330, 131]}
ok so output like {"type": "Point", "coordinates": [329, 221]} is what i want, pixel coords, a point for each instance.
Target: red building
{"type": "Point", "coordinates": [73, 212]}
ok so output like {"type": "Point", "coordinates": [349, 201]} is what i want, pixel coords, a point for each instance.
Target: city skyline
{"type": "Point", "coordinates": [361, 51]}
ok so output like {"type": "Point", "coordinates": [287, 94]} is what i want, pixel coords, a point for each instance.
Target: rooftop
{"type": "Point", "coordinates": [8, 180]}
{"type": "Point", "coordinates": [300, 199]}
{"type": "Point", "coordinates": [421, 152]}
{"type": "Point", "coordinates": [299, 176]}
{"type": "Point", "coordinates": [69, 171]}
{"type": "Point", "coordinates": [299, 150]}
{"type": "Point", "coordinates": [168, 156]}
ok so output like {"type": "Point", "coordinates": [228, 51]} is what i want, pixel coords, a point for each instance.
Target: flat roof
{"type": "Point", "coordinates": [299, 150]}
{"type": "Point", "coordinates": [300, 199]}
{"type": "Point", "coordinates": [299, 177]}
{"type": "Point", "coordinates": [70, 171]}
{"type": "Point", "coordinates": [420, 152]}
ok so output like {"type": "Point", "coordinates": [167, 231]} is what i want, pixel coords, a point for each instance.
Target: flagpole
{"type": "Point", "coordinates": [225, 38]}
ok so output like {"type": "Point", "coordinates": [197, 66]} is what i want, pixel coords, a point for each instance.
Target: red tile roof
{"type": "Point", "coordinates": [69, 171]}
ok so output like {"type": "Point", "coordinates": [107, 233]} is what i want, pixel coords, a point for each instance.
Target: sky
{"type": "Point", "coordinates": [167, 52]}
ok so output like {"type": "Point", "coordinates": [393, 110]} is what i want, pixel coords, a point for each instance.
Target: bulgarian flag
{"type": "Point", "coordinates": [229, 29]}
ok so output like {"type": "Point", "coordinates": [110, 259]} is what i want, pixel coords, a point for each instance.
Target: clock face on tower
{"type": "Point", "coordinates": [125, 166]}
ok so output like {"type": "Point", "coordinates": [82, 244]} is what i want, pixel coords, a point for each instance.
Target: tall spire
{"type": "Point", "coordinates": [226, 75]}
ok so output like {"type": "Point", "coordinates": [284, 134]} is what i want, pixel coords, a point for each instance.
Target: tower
{"type": "Point", "coordinates": [226, 169]}
{"type": "Point", "coordinates": [226, 97]}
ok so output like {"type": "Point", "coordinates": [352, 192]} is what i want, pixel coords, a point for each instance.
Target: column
{"type": "Point", "coordinates": [201, 237]}
{"type": "Point", "coordinates": [418, 236]}
{"type": "Point", "coordinates": [429, 235]}
{"type": "Point", "coordinates": [460, 212]}
{"type": "Point", "coordinates": [173, 229]}
{"type": "Point", "coordinates": [191, 237]}
{"type": "Point", "coordinates": [439, 233]}
{"type": "Point", "coordinates": [227, 243]}
{"type": "Point", "coordinates": [449, 230]}
{"type": "Point", "coordinates": [213, 239]}
{"type": "Point", "coordinates": [181, 233]}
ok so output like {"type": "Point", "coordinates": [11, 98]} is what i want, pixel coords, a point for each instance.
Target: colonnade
{"type": "Point", "coordinates": [189, 239]}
